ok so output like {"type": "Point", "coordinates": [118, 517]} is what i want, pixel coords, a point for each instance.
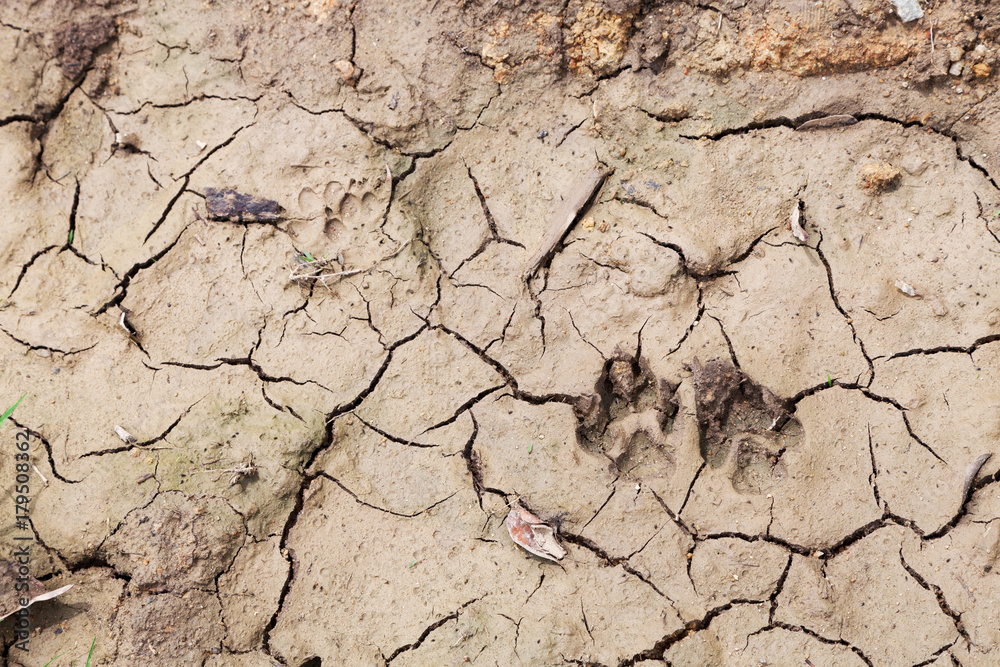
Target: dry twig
{"type": "Point", "coordinates": [314, 270]}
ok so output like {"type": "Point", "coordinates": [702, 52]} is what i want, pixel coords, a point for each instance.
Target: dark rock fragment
{"type": "Point", "coordinates": [231, 206]}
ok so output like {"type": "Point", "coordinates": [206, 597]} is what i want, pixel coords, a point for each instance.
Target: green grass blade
{"type": "Point", "coordinates": [10, 410]}
{"type": "Point", "coordinates": [55, 658]}
{"type": "Point", "coordinates": [91, 654]}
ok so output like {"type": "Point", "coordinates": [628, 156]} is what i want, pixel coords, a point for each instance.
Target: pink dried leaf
{"type": "Point", "coordinates": [532, 534]}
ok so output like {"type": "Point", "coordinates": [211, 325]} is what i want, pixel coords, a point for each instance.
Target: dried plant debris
{"type": "Point", "coordinates": [320, 270]}
{"type": "Point", "coordinates": [126, 437]}
{"type": "Point", "coordinates": [248, 469]}
{"type": "Point", "coordinates": [228, 205]}
{"type": "Point", "coordinates": [876, 178]}
{"type": "Point", "coordinates": [532, 534]}
{"type": "Point", "coordinates": [238, 472]}
{"type": "Point", "coordinates": [730, 406]}
{"type": "Point", "coordinates": [795, 224]}
{"type": "Point", "coordinates": [972, 472]}
{"type": "Point", "coordinates": [12, 584]}
{"type": "Point", "coordinates": [825, 122]}
{"type": "Point", "coordinates": [125, 323]}
{"type": "Point", "coordinates": [564, 217]}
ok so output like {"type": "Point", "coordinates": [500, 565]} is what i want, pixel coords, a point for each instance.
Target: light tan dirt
{"type": "Point", "coordinates": [756, 443]}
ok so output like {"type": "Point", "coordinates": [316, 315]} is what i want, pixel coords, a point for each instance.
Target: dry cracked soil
{"type": "Point", "coordinates": [710, 288]}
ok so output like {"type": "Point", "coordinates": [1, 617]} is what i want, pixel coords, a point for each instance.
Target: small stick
{"type": "Point", "coordinates": [932, 51]}
{"type": "Point", "coordinates": [323, 277]}
{"type": "Point", "coordinates": [40, 474]}
{"type": "Point", "coordinates": [962, 583]}
{"type": "Point", "coordinates": [564, 217]}
{"type": "Point", "coordinates": [247, 469]}
{"type": "Point", "coordinates": [125, 436]}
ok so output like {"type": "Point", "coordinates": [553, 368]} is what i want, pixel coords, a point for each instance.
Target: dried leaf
{"type": "Point", "coordinates": [827, 121]}
{"type": "Point", "coordinates": [10, 594]}
{"type": "Point", "coordinates": [797, 230]}
{"type": "Point", "coordinates": [971, 472]}
{"type": "Point", "coordinates": [532, 534]}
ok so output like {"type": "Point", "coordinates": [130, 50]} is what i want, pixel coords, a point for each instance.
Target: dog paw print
{"type": "Point", "coordinates": [744, 427]}
{"type": "Point", "coordinates": [339, 212]}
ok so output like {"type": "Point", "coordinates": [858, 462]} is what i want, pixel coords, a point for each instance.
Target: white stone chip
{"type": "Point", "coordinates": [908, 10]}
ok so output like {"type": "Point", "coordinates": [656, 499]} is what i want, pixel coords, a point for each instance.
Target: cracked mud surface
{"type": "Point", "coordinates": [757, 446]}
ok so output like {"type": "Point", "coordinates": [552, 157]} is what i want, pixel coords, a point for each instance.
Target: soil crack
{"type": "Point", "coordinates": [840, 309]}
{"type": "Point", "coordinates": [939, 596]}
{"type": "Point", "coordinates": [429, 629]}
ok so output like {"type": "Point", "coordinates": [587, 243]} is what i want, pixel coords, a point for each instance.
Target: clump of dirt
{"type": "Point", "coordinates": [587, 37]}
{"type": "Point", "coordinates": [808, 48]}
{"type": "Point", "coordinates": [76, 42]}
{"type": "Point", "coordinates": [879, 177]}
{"type": "Point", "coordinates": [650, 44]}
{"type": "Point", "coordinates": [981, 70]}
{"type": "Point", "coordinates": [598, 38]}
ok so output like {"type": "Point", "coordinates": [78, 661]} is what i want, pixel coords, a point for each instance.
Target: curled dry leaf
{"type": "Point", "coordinates": [971, 472]}
{"type": "Point", "coordinates": [797, 230]}
{"type": "Point", "coordinates": [532, 534]}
